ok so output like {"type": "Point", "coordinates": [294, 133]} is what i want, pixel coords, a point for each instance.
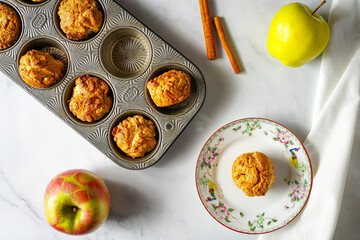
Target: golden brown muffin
{"type": "Point", "coordinates": [10, 26]}
{"type": "Point", "coordinates": [40, 69]}
{"type": "Point", "coordinates": [90, 100]}
{"type": "Point", "coordinates": [79, 19]}
{"type": "Point", "coordinates": [169, 88]}
{"type": "Point", "coordinates": [253, 173]}
{"type": "Point", "coordinates": [135, 136]}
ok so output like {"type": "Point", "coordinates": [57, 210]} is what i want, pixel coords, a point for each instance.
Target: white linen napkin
{"type": "Point", "coordinates": [336, 116]}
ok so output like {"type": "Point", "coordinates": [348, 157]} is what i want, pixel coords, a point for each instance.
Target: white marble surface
{"type": "Point", "coordinates": [160, 202]}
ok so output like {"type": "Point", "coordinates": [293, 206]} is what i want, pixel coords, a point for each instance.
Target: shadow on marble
{"type": "Point", "coordinates": [125, 201]}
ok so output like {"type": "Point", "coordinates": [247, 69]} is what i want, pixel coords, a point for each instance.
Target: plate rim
{"type": "Point", "coordinates": [254, 118]}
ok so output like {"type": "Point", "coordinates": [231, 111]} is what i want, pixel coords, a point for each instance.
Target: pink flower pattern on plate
{"type": "Point", "coordinates": [222, 212]}
{"type": "Point", "coordinates": [283, 137]}
{"type": "Point", "coordinates": [299, 192]}
{"type": "Point", "coordinates": [209, 156]}
{"type": "Point", "coordinates": [296, 195]}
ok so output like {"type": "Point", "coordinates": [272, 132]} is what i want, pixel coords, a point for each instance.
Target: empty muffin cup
{"type": "Point", "coordinates": [118, 152]}
{"type": "Point", "coordinates": [126, 52]}
{"type": "Point", "coordinates": [68, 94]}
{"type": "Point", "coordinates": [179, 108]}
{"type": "Point", "coordinates": [49, 45]}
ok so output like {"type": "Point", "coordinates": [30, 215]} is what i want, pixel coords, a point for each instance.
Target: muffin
{"type": "Point", "coordinates": [90, 99]}
{"type": "Point", "coordinates": [40, 69]}
{"type": "Point", "coordinates": [79, 19]}
{"type": "Point", "coordinates": [169, 88]}
{"type": "Point", "coordinates": [10, 26]}
{"type": "Point", "coordinates": [135, 136]}
{"type": "Point", "coordinates": [253, 173]}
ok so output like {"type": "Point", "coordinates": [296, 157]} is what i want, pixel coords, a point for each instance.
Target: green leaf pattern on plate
{"type": "Point", "coordinates": [251, 126]}
{"type": "Point", "coordinates": [260, 221]}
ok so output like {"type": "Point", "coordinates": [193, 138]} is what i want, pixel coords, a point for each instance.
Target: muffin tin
{"type": "Point", "coordinates": [125, 54]}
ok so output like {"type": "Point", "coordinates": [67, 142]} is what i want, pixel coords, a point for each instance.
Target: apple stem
{"type": "Point", "coordinates": [74, 209]}
{"type": "Point", "coordinates": [319, 7]}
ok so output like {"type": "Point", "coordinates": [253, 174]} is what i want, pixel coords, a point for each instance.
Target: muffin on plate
{"type": "Point", "coordinates": [10, 26]}
{"type": "Point", "coordinates": [79, 19]}
{"type": "Point", "coordinates": [253, 173]}
{"type": "Point", "coordinates": [135, 136]}
{"type": "Point", "coordinates": [170, 88]}
{"type": "Point", "coordinates": [40, 69]}
{"type": "Point", "coordinates": [90, 99]}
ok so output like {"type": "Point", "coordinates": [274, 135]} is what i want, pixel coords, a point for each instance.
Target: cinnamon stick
{"type": "Point", "coordinates": [208, 31]}
{"type": "Point", "coordinates": [226, 45]}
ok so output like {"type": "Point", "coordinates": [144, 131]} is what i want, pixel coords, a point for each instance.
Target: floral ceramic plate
{"type": "Point", "coordinates": [227, 203]}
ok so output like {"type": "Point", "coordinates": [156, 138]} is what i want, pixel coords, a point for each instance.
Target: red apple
{"type": "Point", "coordinates": [76, 202]}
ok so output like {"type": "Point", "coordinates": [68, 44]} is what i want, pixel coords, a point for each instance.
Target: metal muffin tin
{"type": "Point", "coordinates": [125, 54]}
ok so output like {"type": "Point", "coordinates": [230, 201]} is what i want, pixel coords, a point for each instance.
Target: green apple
{"type": "Point", "coordinates": [297, 34]}
{"type": "Point", "coordinates": [76, 202]}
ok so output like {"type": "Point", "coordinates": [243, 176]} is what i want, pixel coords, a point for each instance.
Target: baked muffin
{"type": "Point", "coordinates": [40, 69]}
{"type": "Point", "coordinates": [135, 136]}
{"type": "Point", "coordinates": [90, 99]}
{"type": "Point", "coordinates": [10, 26]}
{"type": "Point", "coordinates": [253, 173]}
{"type": "Point", "coordinates": [79, 19]}
{"type": "Point", "coordinates": [169, 88]}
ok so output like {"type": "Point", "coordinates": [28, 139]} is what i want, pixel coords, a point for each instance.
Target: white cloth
{"type": "Point", "coordinates": [336, 118]}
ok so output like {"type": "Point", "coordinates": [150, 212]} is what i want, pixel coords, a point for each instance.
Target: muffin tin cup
{"type": "Point", "coordinates": [49, 45]}
{"type": "Point", "coordinates": [56, 20]}
{"type": "Point", "coordinates": [148, 159]}
{"type": "Point", "coordinates": [179, 108]}
{"type": "Point", "coordinates": [126, 52]}
{"type": "Point", "coordinates": [30, 3]}
{"type": "Point", "coordinates": [67, 95]}
{"type": "Point", "coordinates": [102, 56]}
{"type": "Point", "coordinates": [12, 6]}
